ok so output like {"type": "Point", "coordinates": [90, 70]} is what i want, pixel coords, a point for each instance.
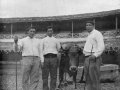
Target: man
{"type": "Point", "coordinates": [93, 49]}
{"type": "Point", "coordinates": [30, 59]}
{"type": "Point", "coordinates": [49, 60]}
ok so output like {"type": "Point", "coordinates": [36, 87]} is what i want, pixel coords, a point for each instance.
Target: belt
{"type": "Point", "coordinates": [29, 56]}
{"type": "Point", "coordinates": [87, 56]}
{"type": "Point", "coordinates": [50, 55]}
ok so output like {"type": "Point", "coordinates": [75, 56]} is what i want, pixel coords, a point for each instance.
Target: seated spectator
{"type": "Point", "coordinates": [6, 55]}
{"type": "Point", "coordinates": [3, 55]}
{"type": "Point", "coordinates": [106, 51]}
{"type": "Point", "coordinates": [111, 51]}
{"type": "Point", "coordinates": [12, 51]}
{"type": "Point", "coordinates": [115, 49]}
{"type": "Point", "coordinates": [11, 55]}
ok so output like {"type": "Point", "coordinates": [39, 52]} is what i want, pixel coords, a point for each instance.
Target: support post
{"type": "Point", "coordinates": [11, 30]}
{"type": "Point", "coordinates": [72, 29]}
{"type": "Point", "coordinates": [94, 22]}
{"type": "Point", "coordinates": [31, 25]}
{"type": "Point", "coordinates": [116, 23]}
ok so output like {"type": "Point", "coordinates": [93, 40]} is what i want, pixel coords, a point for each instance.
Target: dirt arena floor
{"type": "Point", "coordinates": [8, 80]}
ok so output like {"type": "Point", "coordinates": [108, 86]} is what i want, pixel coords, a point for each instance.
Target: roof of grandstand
{"type": "Point", "coordinates": [60, 18]}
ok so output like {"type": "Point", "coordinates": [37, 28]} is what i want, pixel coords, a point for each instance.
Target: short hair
{"type": "Point", "coordinates": [31, 27]}
{"type": "Point", "coordinates": [49, 27]}
{"type": "Point", "coordinates": [90, 22]}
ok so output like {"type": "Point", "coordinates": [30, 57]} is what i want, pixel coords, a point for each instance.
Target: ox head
{"type": "Point", "coordinates": [73, 51]}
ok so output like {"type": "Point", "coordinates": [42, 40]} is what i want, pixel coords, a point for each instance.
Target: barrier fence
{"type": "Point", "coordinates": [109, 56]}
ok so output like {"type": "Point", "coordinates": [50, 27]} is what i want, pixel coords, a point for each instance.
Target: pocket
{"type": "Point", "coordinates": [26, 61]}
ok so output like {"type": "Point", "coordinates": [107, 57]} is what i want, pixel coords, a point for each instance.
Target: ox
{"type": "Point", "coordinates": [69, 63]}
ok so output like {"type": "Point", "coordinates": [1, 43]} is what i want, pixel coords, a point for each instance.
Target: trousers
{"type": "Point", "coordinates": [50, 67]}
{"type": "Point", "coordinates": [30, 73]}
{"type": "Point", "coordinates": [92, 73]}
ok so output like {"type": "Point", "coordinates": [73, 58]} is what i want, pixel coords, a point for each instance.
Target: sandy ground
{"type": "Point", "coordinates": [8, 81]}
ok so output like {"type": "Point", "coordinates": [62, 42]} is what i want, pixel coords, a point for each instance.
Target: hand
{"type": "Point", "coordinates": [16, 39]}
{"type": "Point", "coordinates": [92, 58]}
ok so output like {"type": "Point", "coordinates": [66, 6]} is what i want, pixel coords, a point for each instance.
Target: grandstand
{"type": "Point", "coordinates": [67, 28]}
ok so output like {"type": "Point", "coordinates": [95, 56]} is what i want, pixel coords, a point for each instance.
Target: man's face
{"type": "Point", "coordinates": [31, 32]}
{"type": "Point", "coordinates": [49, 32]}
{"type": "Point", "coordinates": [89, 27]}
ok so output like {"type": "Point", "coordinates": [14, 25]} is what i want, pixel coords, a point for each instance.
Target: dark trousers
{"type": "Point", "coordinates": [50, 66]}
{"type": "Point", "coordinates": [92, 73]}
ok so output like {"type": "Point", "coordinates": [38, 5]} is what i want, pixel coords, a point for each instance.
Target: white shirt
{"type": "Point", "coordinates": [49, 45]}
{"type": "Point", "coordinates": [29, 47]}
{"type": "Point", "coordinates": [95, 40]}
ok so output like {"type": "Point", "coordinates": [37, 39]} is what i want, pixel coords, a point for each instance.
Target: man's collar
{"type": "Point", "coordinates": [30, 38]}
{"type": "Point", "coordinates": [49, 37]}
{"type": "Point", "coordinates": [92, 31]}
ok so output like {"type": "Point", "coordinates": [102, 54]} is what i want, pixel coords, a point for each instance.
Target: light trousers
{"type": "Point", "coordinates": [92, 73]}
{"type": "Point", "coordinates": [30, 73]}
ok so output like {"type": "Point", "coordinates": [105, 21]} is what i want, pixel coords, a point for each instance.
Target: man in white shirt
{"type": "Point", "coordinates": [93, 49]}
{"type": "Point", "coordinates": [30, 59]}
{"type": "Point", "coordinates": [49, 60]}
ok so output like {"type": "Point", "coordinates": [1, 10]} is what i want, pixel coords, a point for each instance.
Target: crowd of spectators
{"type": "Point", "coordinates": [111, 55]}
{"type": "Point", "coordinates": [6, 55]}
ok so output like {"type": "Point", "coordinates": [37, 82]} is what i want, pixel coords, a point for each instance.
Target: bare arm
{"type": "Point", "coordinates": [41, 51]}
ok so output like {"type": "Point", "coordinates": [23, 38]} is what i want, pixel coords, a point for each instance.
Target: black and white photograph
{"type": "Point", "coordinates": [59, 44]}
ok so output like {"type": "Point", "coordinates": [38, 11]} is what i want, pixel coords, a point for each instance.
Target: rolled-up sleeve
{"type": "Point", "coordinates": [100, 44]}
